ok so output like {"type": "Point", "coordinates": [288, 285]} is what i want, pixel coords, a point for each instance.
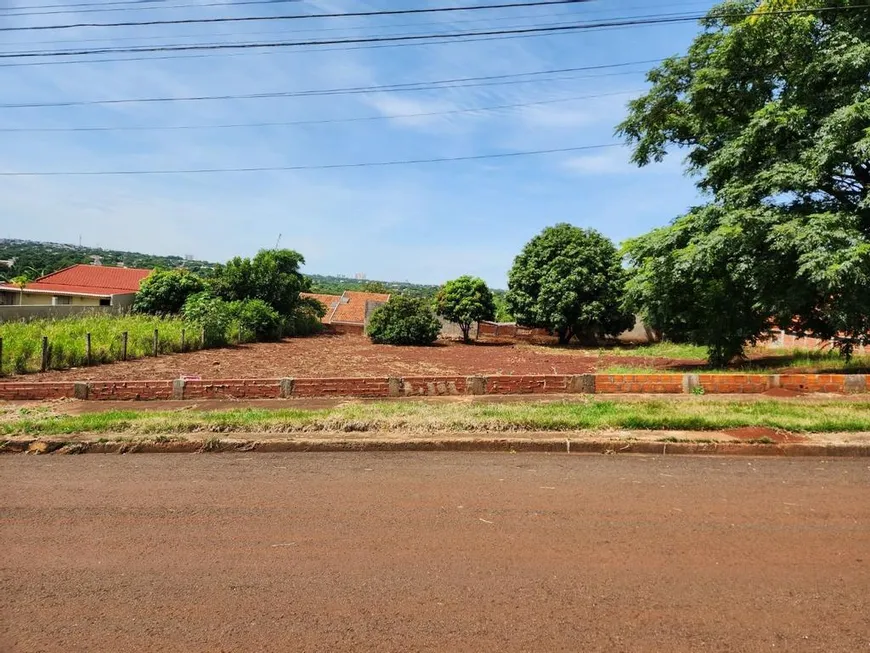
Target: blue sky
{"type": "Point", "coordinates": [424, 223]}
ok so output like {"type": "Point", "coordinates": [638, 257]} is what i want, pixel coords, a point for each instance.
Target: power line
{"type": "Point", "coordinates": [250, 52]}
{"type": "Point", "coordinates": [308, 30]}
{"type": "Point", "coordinates": [319, 30]}
{"type": "Point", "coordinates": [411, 37]}
{"type": "Point", "coordinates": [349, 14]}
{"type": "Point", "coordinates": [323, 121]}
{"type": "Point", "coordinates": [328, 166]}
{"type": "Point", "coordinates": [132, 5]}
{"type": "Point", "coordinates": [359, 40]}
{"type": "Point", "coordinates": [455, 82]}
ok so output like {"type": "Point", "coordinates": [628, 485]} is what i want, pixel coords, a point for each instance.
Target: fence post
{"type": "Point", "coordinates": [182, 340]}
{"type": "Point", "coordinates": [202, 338]}
{"type": "Point", "coordinates": [1, 355]}
{"type": "Point", "coordinates": [124, 346]}
{"type": "Point", "coordinates": [88, 348]}
{"type": "Point", "coordinates": [44, 353]}
{"type": "Point", "coordinates": [154, 343]}
{"type": "Point", "coordinates": [240, 334]}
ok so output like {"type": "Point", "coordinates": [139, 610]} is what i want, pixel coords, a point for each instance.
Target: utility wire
{"type": "Point", "coordinates": [328, 166]}
{"type": "Point", "coordinates": [348, 14]}
{"type": "Point", "coordinates": [133, 5]}
{"type": "Point", "coordinates": [406, 38]}
{"type": "Point", "coordinates": [308, 30]}
{"type": "Point", "coordinates": [359, 40]}
{"type": "Point", "coordinates": [456, 82]}
{"type": "Point", "coordinates": [323, 121]}
{"type": "Point", "coordinates": [320, 30]}
{"type": "Point", "coordinates": [250, 52]}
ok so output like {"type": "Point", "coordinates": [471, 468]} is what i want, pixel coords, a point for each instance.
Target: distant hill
{"type": "Point", "coordinates": [336, 285]}
{"type": "Point", "coordinates": [39, 258]}
{"type": "Point", "coordinates": [36, 259]}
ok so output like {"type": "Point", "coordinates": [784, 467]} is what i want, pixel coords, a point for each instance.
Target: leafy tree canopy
{"type": "Point", "coordinates": [569, 280]}
{"type": "Point", "coordinates": [272, 276]}
{"type": "Point", "coordinates": [163, 292]}
{"type": "Point", "coordinates": [465, 300]}
{"type": "Point", "coordinates": [404, 321]}
{"type": "Point", "coordinates": [773, 112]}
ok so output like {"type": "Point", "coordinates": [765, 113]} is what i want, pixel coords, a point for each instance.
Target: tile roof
{"type": "Point", "coordinates": [93, 280]}
{"type": "Point", "coordinates": [352, 307]}
{"type": "Point", "coordinates": [329, 301]}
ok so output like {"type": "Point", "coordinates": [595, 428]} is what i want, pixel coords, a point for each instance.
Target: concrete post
{"type": "Point", "coordinates": [582, 384]}
{"type": "Point", "coordinates": [855, 383]}
{"type": "Point", "coordinates": [178, 389]}
{"type": "Point", "coordinates": [44, 353]}
{"type": "Point", "coordinates": [395, 386]}
{"type": "Point", "coordinates": [287, 388]}
{"type": "Point", "coordinates": [690, 382]}
{"type": "Point", "coordinates": [80, 390]}
{"type": "Point", "coordinates": [88, 348]}
{"type": "Point", "coordinates": [475, 385]}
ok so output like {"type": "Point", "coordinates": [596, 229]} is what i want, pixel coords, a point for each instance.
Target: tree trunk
{"type": "Point", "coordinates": [565, 335]}
{"type": "Point", "coordinates": [466, 328]}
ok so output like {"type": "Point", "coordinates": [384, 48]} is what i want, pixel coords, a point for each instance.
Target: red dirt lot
{"type": "Point", "coordinates": [352, 356]}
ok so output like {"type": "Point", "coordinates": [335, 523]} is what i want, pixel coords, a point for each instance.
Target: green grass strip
{"type": "Point", "coordinates": [586, 414]}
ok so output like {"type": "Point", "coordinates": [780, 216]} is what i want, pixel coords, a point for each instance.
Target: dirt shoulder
{"type": "Point", "coordinates": [745, 441]}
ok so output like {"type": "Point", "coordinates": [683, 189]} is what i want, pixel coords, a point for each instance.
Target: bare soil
{"type": "Point", "coordinates": [356, 356]}
{"type": "Point", "coordinates": [757, 433]}
{"type": "Point", "coordinates": [433, 552]}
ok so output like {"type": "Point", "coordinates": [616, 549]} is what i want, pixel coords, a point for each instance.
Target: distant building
{"type": "Point", "coordinates": [7, 263]}
{"type": "Point", "coordinates": [79, 285]}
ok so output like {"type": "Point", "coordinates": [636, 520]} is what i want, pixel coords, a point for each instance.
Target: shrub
{"type": "Point", "coordinates": [163, 292]}
{"type": "Point", "coordinates": [211, 314]}
{"type": "Point", "coordinates": [272, 275]}
{"type": "Point", "coordinates": [305, 319]}
{"type": "Point", "coordinates": [257, 319]}
{"type": "Point", "coordinates": [404, 321]}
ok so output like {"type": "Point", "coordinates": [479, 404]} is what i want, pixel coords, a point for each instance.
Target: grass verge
{"type": "Point", "coordinates": [590, 414]}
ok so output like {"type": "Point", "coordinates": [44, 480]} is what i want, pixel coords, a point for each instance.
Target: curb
{"type": "Point", "coordinates": [491, 445]}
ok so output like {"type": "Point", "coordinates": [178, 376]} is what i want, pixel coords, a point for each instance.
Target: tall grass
{"type": "Point", "coordinates": [22, 341]}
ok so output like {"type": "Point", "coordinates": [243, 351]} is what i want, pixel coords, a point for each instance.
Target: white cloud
{"type": "Point", "coordinates": [613, 162]}
{"type": "Point", "coordinates": [397, 107]}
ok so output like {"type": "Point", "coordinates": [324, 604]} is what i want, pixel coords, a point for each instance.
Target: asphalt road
{"type": "Point", "coordinates": [434, 552]}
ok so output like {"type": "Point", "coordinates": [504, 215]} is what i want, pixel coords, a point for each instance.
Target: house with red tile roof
{"type": "Point", "coordinates": [78, 285]}
{"type": "Point", "coordinates": [350, 311]}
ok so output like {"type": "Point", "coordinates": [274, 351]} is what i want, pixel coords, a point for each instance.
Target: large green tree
{"type": "Point", "coordinates": [272, 276]}
{"type": "Point", "coordinates": [771, 106]}
{"type": "Point", "coordinates": [571, 281]}
{"type": "Point", "coordinates": [465, 300]}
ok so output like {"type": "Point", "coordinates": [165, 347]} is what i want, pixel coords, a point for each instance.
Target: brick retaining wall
{"type": "Point", "coordinates": [382, 387]}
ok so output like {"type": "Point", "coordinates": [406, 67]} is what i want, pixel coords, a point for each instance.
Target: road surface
{"type": "Point", "coordinates": [433, 552]}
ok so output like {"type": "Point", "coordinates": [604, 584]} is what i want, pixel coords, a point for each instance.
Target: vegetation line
{"type": "Point", "coordinates": [699, 415]}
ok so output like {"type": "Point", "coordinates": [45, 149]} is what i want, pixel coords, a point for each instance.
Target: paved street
{"type": "Point", "coordinates": [435, 552]}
